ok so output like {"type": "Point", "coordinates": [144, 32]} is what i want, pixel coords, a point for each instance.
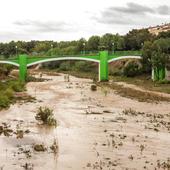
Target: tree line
{"type": "Point", "coordinates": [133, 40]}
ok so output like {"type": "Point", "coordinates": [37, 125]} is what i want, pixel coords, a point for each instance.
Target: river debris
{"type": "Point", "coordinates": [93, 87]}
{"type": "Point", "coordinates": [54, 147]}
{"type": "Point", "coordinates": [90, 112]}
{"type": "Point", "coordinates": [6, 130]}
{"type": "Point", "coordinates": [24, 97]}
{"type": "Point", "coordinates": [19, 134]}
{"type": "Point", "coordinates": [132, 112]}
{"type": "Point", "coordinates": [28, 166]}
{"type": "Point", "coordinates": [39, 148]}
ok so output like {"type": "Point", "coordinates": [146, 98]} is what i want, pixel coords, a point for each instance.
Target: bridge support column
{"type": "Point", "coordinates": [22, 67]}
{"type": "Point", "coordinates": [159, 74]}
{"type": "Point", "coordinates": [103, 66]}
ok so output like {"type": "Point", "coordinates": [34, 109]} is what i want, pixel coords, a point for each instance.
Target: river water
{"type": "Point", "coordinates": [92, 130]}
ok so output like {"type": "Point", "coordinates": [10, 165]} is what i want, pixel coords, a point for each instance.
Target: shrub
{"type": "Point", "coordinates": [65, 66]}
{"type": "Point", "coordinates": [5, 69]}
{"type": "Point", "coordinates": [45, 115]}
{"type": "Point", "coordinates": [84, 66]}
{"type": "Point", "coordinates": [17, 86]}
{"type": "Point", "coordinates": [4, 101]}
{"type": "Point", "coordinates": [115, 72]}
{"type": "Point", "coordinates": [7, 89]}
{"type": "Point", "coordinates": [132, 69]}
{"type": "Point", "coordinates": [9, 93]}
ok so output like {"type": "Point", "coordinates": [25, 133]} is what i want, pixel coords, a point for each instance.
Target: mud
{"type": "Point", "coordinates": [94, 130]}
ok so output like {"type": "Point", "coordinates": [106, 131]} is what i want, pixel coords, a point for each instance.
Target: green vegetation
{"type": "Point", "coordinates": [81, 69]}
{"type": "Point", "coordinates": [156, 55]}
{"type": "Point", "coordinates": [132, 68]}
{"type": "Point", "coordinates": [8, 86]}
{"type": "Point", "coordinates": [111, 42]}
{"type": "Point", "coordinates": [45, 115]}
{"type": "Point", "coordinates": [7, 92]}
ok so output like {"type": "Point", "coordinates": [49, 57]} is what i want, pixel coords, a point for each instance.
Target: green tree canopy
{"type": "Point", "coordinates": [135, 39]}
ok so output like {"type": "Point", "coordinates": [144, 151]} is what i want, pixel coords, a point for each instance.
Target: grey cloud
{"type": "Point", "coordinates": [114, 18]}
{"type": "Point", "coordinates": [132, 14]}
{"type": "Point", "coordinates": [164, 10]}
{"type": "Point", "coordinates": [133, 8]}
{"type": "Point", "coordinates": [42, 26]}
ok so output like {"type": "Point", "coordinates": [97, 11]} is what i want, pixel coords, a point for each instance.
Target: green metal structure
{"type": "Point", "coordinates": [158, 74]}
{"type": "Point", "coordinates": [103, 58]}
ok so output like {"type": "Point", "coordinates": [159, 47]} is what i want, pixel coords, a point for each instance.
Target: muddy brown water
{"type": "Point", "coordinates": [106, 140]}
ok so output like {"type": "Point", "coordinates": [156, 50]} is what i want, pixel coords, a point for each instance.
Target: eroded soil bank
{"type": "Point", "coordinates": [96, 130]}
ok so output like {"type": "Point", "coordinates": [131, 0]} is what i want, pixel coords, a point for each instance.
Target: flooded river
{"type": "Point", "coordinates": [96, 130]}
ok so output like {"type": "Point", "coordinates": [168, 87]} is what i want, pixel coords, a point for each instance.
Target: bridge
{"type": "Point", "coordinates": [103, 58]}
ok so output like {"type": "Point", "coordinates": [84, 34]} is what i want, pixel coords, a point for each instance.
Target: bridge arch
{"type": "Point", "coordinates": [61, 59]}
{"type": "Point", "coordinates": [124, 57]}
{"type": "Point", "coordinates": [9, 62]}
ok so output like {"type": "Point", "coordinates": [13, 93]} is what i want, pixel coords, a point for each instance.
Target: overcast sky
{"type": "Point", "coordinates": [73, 19]}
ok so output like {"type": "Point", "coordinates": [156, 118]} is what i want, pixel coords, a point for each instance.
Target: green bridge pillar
{"type": "Point", "coordinates": [103, 66]}
{"type": "Point", "coordinates": [22, 67]}
{"type": "Point", "coordinates": [159, 74]}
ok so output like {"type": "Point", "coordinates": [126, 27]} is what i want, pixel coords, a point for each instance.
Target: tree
{"type": "Point", "coordinates": [160, 53]}
{"type": "Point", "coordinates": [81, 45]}
{"type": "Point", "coordinates": [146, 56]}
{"type": "Point", "coordinates": [156, 55]}
{"type": "Point", "coordinates": [132, 68]}
{"type": "Point", "coordinates": [42, 46]}
{"type": "Point", "coordinates": [93, 43]}
{"type": "Point", "coordinates": [136, 38]}
{"type": "Point", "coordinates": [106, 42]}
{"type": "Point", "coordinates": [119, 42]}
{"type": "Point", "coordinates": [164, 35]}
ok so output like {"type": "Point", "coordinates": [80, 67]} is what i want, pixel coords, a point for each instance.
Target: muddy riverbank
{"type": "Point", "coordinates": [96, 130]}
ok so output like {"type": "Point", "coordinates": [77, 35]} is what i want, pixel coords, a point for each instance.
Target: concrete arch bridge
{"type": "Point", "coordinates": [102, 58]}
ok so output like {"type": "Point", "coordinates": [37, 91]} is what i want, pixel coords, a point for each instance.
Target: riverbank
{"type": "Point", "coordinates": [10, 92]}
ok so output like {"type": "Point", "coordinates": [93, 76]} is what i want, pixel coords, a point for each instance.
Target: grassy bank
{"type": "Point", "coordinates": [138, 95]}
{"type": "Point", "coordinates": [145, 82]}
{"type": "Point", "coordinates": [8, 90]}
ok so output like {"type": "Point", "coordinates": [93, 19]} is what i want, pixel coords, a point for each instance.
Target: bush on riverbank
{"type": "Point", "coordinates": [7, 92]}
{"type": "Point", "coordinates": [132, 68]}
{"type": "Point", "coordinates": [46, 115]}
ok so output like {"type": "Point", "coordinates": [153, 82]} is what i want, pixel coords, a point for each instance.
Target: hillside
{"type": "Point", "coordinates": [159, 28]}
